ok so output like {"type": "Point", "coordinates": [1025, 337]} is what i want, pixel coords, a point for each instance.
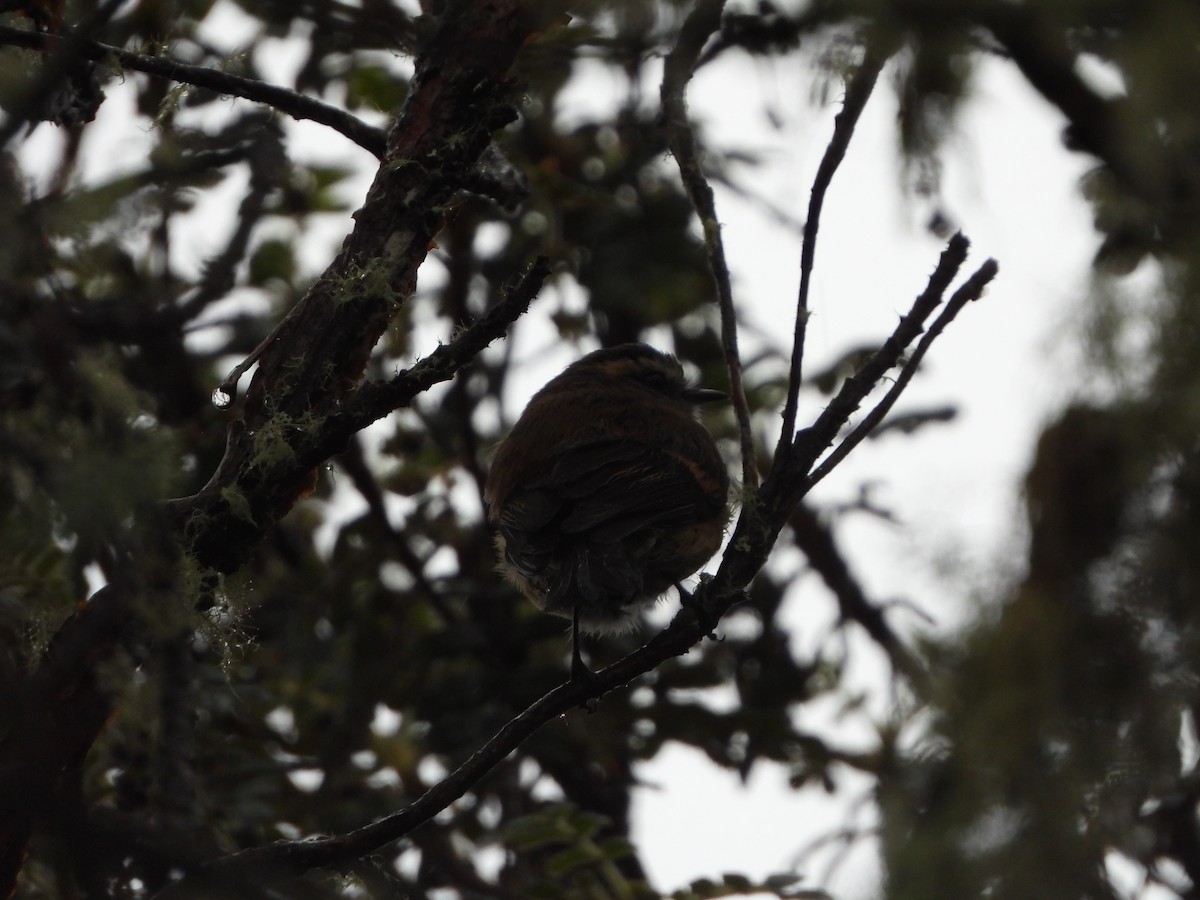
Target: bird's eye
{"type": "Point", "coordinates": [655, 379]}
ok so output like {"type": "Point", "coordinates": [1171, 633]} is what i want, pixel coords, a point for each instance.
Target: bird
{"type": "Point", "coordinates": [608, 491]}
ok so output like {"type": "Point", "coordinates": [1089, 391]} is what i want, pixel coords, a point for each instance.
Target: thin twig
{"type": "Point", "coordinates": [293, 104]}
{"type": "Point", "coordinates": [375, 400]}
{"type": "Point", "coordinates": [703, 21]}
{"type": "Point", "coordinates": [263, 151]}
{"type": "Point", "coordinates": [815, 539]}
{"type": "Point", "coordinates": [970, 290]}
{"type": "Point", "coordinates": [787, 481]}
{"type": "Point", "coordinates": [856, 388]}
{"type": "Point", "coordinates": [858, 91]}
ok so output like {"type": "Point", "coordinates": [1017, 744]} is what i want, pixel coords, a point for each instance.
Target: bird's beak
{"type": "Point", "coordinates": [703, 395]}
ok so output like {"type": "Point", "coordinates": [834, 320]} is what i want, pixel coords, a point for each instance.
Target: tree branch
{"type": "Point", "coordinates": [375, 399]}
{"type": "Point", "coordinates": [700, 24]}
{"type": "Point", "coordinates": [305, 399]}
{"type": "Point", "coordinates": [814, 538]}
{"type": "Point", "coordinates": [786, 484]}
{"type": "Point", "coordinates": [308, 375]}
{"type": "Point", "coordinates": [971, 289]}
{"type": "Point", "coordinates": [754, 535]}
{"type": "Point", "coordinates": [858, 91]}
{"type": "Point", "coordinates": [295, 105]}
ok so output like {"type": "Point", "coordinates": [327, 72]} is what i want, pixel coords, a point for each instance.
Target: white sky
{"type": "Point", "coordinates": [1005, 362]}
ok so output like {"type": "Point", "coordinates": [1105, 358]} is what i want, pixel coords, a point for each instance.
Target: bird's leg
{"type": "Point", "coordinates": [579, 671]}
{"type": "Point", "coordinates": [576, 660]}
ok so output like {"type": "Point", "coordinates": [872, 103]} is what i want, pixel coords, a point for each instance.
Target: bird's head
{"type": "Point", "coordinates": [641, 367]}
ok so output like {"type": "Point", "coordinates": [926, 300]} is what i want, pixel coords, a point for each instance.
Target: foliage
{"type": "Point", "coordinates": [303, 632]}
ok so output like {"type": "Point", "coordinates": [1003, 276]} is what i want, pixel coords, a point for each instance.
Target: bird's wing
{"type": "Point", "coordinates": [611, 488]}
{"type": "Point", "coordinates": [568, 528]}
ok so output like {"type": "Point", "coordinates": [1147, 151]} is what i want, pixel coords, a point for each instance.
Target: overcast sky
{"type": "Point", "coordinates": [1008, 362]}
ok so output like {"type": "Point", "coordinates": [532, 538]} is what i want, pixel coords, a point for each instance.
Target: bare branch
{"type": "Point", "coordinates": [375, 400]}
{"type": "Point", "coordinates": [970, 290]}
{"type": "Point", "coordinates": [815, 539]}
{"type": "Point", "coordinates": [764, 516]}
{"type": "Point", "coordinates": [295, 105]}
{"type": "Point", "coordinates": [754, 536]}
{"type": "Point", "coordinates": [703, 21]}
{"type": "Point", "coordinates": [861, 383]}
{"type": "Point", "coordinates": [858, 91]}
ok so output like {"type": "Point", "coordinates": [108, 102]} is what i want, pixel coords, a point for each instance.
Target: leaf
{"type": "Point", "coordinates": [374, 87]}
{"type": "Point", "coordinates": [273, 260]}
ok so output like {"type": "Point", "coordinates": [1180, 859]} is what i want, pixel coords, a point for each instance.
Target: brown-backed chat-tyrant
{"type": "Point", "coordinates": [608, 491]}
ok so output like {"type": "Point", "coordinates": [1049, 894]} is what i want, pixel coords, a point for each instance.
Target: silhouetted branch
{"type": "Point", "coordinates": [754, 535]}
{"type": "Point", "coordinates": [295, 105]}
{"type": "Point", "coordinates": [815, 539]}
{"type": "Point", "coordinates": [700, 24]}
{"type": "Point", "coordinates": [909, 422]}
{"type": "Point", "coordinates": [375, 399]}
{"type": "Point", "coordinates": [970, 290]}
{"type": "Point", "coordinates": [786, 483]}
{"type": "Point", "coordinates": [858, 91]}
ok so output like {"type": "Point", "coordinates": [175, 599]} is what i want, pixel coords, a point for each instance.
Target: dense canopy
{"type": "Point", "coordinates": [253, 639]}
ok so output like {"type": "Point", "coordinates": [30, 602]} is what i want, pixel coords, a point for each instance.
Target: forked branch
{"type": "Point", "coordinates": [754, 536]}
{"type": "Point", "coordinates": [971, 289]}
{"type": "Point", "coordinates": [858, 91]}
{"type": "Point", "coordinates": [762, 517]}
